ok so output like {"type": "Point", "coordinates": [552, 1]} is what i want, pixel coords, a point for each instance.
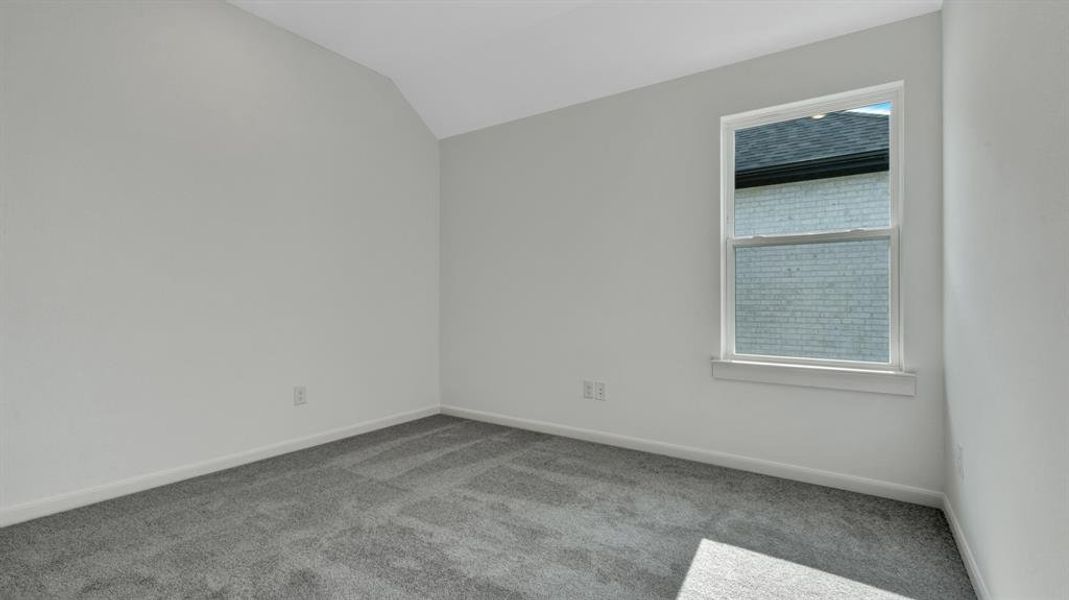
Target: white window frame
{"type": "Point", "coordinates": [891, 92]}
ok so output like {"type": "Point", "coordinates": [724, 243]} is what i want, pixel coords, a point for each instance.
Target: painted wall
{"type": "Point", "coordinates": [583, 244]}
{"type": "Point", "coordinates": [200, 211]}
{"type": "Point", "coordinates": [1006, 106]}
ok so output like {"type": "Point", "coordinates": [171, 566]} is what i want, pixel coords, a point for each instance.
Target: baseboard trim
{"type": "Point", "coordinates": [63, 502]}
{"type": "Point", "coordinates": [54, 504]}
{"type": "Point", "coordinates": [967, 556]}
{"type": "Point", "coordinates": [842, 481]}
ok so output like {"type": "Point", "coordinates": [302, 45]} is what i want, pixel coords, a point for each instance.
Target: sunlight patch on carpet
{"type": "Point", "coordinates": [721, 571]}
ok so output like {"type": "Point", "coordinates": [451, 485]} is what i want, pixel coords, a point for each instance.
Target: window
{"type": "Point", "coordinates": [810, 231]}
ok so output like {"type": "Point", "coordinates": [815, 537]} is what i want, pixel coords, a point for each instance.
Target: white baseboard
{"type": "Point", "coordinates": [53, 504]}
{"type": "Point", "coordinates": [967, 556]}
{"type": "Point", "coordinates": [853, 483]}
{"type": "Point", "coordinates": [59, 503]}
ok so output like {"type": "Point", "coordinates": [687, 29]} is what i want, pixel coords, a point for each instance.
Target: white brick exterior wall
{"type": "Point", "coordinates": [819, 204]}
{"type": "Point", "coordinates": [817, 300]}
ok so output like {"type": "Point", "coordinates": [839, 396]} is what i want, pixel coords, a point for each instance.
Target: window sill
{"type": "Point", "coordinates": [898, 383]}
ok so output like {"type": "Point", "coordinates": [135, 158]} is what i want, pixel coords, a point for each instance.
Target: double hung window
{"type": "Point", "coordinates": [810, 218]}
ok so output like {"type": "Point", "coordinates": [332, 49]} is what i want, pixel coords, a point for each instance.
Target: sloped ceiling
{"type": "Point", "coordinates": [465, 65]}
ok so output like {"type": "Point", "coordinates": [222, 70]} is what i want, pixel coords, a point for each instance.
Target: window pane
{"type": "Point", "coordinates": [828, 300]}
{"type": "Point", "coordinates": [850, 202]}
{"type": "Point", "coordinates": [818, 173]}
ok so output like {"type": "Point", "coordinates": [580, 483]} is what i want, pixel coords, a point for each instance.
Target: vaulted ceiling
{"type": "Point", "coordinates": [468, 64]}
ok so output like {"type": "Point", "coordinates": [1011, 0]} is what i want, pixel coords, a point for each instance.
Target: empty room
{"type": "Point", "coordinates": [534, 299]}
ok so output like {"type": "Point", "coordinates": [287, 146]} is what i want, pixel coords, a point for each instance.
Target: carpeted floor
{"type": "Point", "coordinates": [450, 508]}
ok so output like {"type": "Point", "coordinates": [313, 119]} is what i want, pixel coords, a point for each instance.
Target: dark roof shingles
{"type": "Point", "coordinates": [797, 140]}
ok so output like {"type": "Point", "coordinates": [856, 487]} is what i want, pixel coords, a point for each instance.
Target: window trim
{"type": "Point", "coordinates": [897, 383]}
{"type": "Point", "coordinates": [729, 124]}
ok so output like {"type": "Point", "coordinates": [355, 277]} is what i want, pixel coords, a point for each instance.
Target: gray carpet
{"type": "Point", "coordinates": [449, 508]}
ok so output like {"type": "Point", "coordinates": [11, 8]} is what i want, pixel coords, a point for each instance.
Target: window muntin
{"type": "Point", "coordinates": [810, 232]}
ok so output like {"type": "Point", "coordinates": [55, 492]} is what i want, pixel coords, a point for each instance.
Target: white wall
{"type": "Point", "coordinates": [200, 211]}
{"type": "Point", "coordinates": [1006, 111]}
{"type": "Point", "coordinates": [582, 244]}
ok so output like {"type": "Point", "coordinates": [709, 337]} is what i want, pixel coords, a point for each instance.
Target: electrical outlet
{"type": "Point", "coordinates": [588, 390]}
{"type": "Point", "coordinates": [959, 461]}
{"type": "Point", "coordinates": [599, 391]}
{"type": "Point", "coordinates": [300, 395]}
